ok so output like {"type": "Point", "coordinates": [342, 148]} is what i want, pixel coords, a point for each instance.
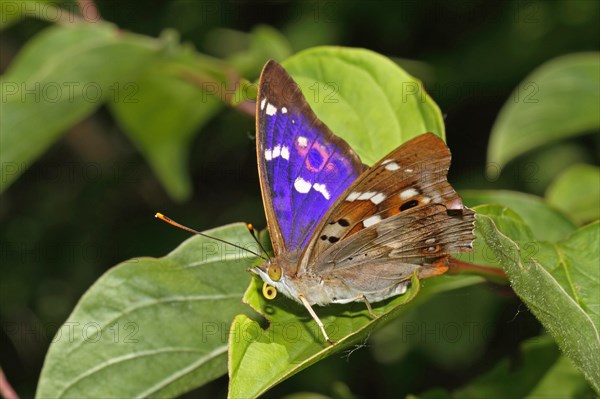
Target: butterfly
{"type": "Point", "coordinates": [342, 231]}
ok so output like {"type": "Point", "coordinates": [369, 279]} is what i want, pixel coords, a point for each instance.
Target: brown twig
{"type": "Point", "coordinates": [6, 390]}
{"type": "Point", "coordinates": [89, 11]}
{"type": "Point", "coordinates": [247, 107]}
{"type": "Point", "coordinates": [53, 14]}
{"type": "Point", "coordinates": [493, 274]}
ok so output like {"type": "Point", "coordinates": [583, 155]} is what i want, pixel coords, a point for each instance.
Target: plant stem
{"type": "Point", "coordinates": [493, 274]}
{"type": "Point", "coordinates": [89, 11]}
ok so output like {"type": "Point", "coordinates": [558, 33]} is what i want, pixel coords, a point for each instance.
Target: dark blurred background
{"type": "Point", "coordinates": [62, 226]}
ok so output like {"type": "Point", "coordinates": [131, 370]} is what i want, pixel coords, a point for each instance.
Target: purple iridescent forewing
{"type": "Point", "coordinates": [303, 167]}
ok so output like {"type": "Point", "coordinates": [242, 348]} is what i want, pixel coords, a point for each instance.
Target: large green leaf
{"type": "Point", "coordinates": [60, 77]}
{"type": "Point", "coordinates": [365, 98]}
{"type": "Point", "coordinates": [559, 282]}
{"type": "Point", "coordinates": [545, 222]}
{"type": "Point", "coordinates": [577, 193]}
{"type": "Point", "coordinates": [559, 99]}
{"type": "Point", "coordinates": [152, 327]}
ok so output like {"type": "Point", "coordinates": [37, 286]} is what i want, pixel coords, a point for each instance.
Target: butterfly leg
{"type": "Point", "coordinates": [369, 308]}
{"type": "Point", "coordinates": [315, 317]}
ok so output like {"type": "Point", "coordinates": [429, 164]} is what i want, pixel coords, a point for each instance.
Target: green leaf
{"type": "Point", "coordinates": [60, 77]}
{"type": "Point", "coordinates": [260, 359]}
{"type": "Point", "coordinates": [365, 98]}
{"type": "Point", "coordinates": [545, 222]}
{"type": "Point", "coordinates": [540, 372]}
{"type": "Point", "coordinates": [559, 282]}
{"type": "Point", "coordinates": [559, 99]}
{"type": "Point", "coordinates": [162, 115]}
{"type": "Point", "coordinates": [152, 327]}
{"type": "Point", "coordinates": [576, 192]}
{"type": "Point", "coordinates": [265, 42]}
{"type": "Point", "coordinates": [13, 11]}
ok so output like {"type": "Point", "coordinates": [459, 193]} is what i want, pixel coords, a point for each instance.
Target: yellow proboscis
{"type": "Point", "coordinates": [269, 291]}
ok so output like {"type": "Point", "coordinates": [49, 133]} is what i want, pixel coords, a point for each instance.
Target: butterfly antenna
{"type": "Point", "coordinates": [254, 235]}
{"type": "Point", "coordinates": [179, 225]}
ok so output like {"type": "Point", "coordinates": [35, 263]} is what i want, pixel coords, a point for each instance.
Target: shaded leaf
{"type": "Point", "coordinates": [576, 192]}
{"type": "Point", "coordinates": [162, 117]}
{"type": "Point", "coordinates": [451, 340]}
{"type": "Point", "coordinates": [558, 282]}
{"type": "Point", "coordinates": [559, 99]}
{"type": "Point", "coordinates": [538, 371]}
{"type": "Point", "coordinates": [152, 327]}
{"type": "Point", "coordinates": [562, 381]}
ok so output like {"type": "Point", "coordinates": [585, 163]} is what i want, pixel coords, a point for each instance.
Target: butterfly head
{"type": "Point", "coordinates": [272, 273]}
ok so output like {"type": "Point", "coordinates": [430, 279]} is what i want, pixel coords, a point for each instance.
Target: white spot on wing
{"type": "Point", "coordinates": [322, 189]}
{"type": "Point", "coordinates": [301, 185]}
{"type": "Point", "coordinates": [262, 103]}
{"type": "Point", "coordinates": [408, 170]}
{"type": "Point", "coordinates": [386, 161]}
{"type": "Point", "coordinates": [283, 110]}
{"type": "Point", "coordinates": [366, 196]}
{"type": "Point", "coordinates": [352, 196]}
{"type": "Point", "coordinates": [409, 193]}
{"type": "Point", "coordinates": [368, 222]}
{"type": "Point", "coordinates": [378, 198]}
{"type": "Point", "coordinates": [426, 200]}
{"type": "Point", "coordinates": [302, 141]}
{"type": "Point", "coordinates": [430, 241]}
{"type": "Point", "coordinates": [276, 151]}
{"type": "Point", "coordinates": [271, 110]}
{"type": "Point", "coordinates": [392, 166]}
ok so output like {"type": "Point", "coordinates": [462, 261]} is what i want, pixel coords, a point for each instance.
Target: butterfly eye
{"type": "Point", "coordinates": [268, 291]}
{"type": "Point", "coordinates": [274, 272]}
